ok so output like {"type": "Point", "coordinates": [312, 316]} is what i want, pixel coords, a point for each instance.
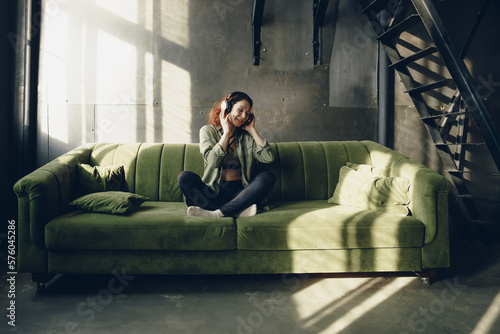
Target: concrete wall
{"type": "Point", "coordinates": [149, 71]}
{"type": "Point", "coordinates": [353, 65]}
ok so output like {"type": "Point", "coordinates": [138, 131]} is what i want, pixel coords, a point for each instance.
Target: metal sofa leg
{"type": "Point", "coordinates": [40, 280]}
{"type": "Point", "coordinates": [427, 276]}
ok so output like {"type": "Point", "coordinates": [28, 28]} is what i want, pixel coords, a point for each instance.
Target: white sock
{"type": "Point", "coordinates": [250, 211]}
{"type": "Point", "coordinates": [197, 211]}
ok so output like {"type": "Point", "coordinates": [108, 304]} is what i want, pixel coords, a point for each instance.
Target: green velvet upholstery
{"type": "Point", "coordinates": [302, 233]}
{"type": "Point", "coordinates": [235, 262]}
{"type": "Point", "coordinates": [153, 226]}
{"type": "Point", "coordinates": [309, 225]}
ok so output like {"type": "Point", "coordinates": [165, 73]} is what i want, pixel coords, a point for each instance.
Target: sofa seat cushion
{"type": "Point", "coordinates": [154, 226]}
{"type": "Point", "coordinates": [303, 225]}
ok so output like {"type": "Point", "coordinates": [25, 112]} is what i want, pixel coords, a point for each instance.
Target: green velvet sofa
{"type": "Point", "coordinates": [301, 233]}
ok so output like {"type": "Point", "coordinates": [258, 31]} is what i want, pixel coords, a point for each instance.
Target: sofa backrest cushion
{"type": "Point", "coordinates": [303, 170]}
{"type": "Point", "coordinates": [306, 170]}
{"type": "Point", "coordinates": [151, 169]}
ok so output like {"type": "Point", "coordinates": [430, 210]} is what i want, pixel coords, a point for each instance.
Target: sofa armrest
{"type": "Point", "coordinates": [425, 189]}
{"type": "Point", "coordinates": [43, 195]}
{"type": "Point", "coordinates": [428, 200]}
{"type": "Point", "coordinates": [429, 203]}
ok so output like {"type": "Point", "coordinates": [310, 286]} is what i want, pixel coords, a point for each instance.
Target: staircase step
{"type": "Point", "coordinates": [481, 199]}
{"type": "Point", "coordinates": [375, 5]}
{"type": "Point", "coordinates": [438, 123]}
{"type": "Point", "coordinates": [455, 144]}
{"type": "Point", "coordinates": [449, 114]}
{"type": "Point", "coordinates": [404, 25]}
{"type": "Point", "coordinates": [414, 57]}
{"type": "Point", "coordinates": [459, 71]}
{"type": "Point", "coordinates": [457, 171]}
{"type": "Point", "coordinates": [480, 222]}
{"type": "Point", "coordinates": [434, 85]}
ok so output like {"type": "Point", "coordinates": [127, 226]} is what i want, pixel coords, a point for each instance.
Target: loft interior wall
{"type": "Point", "coordinates": [353, 69]}
{"type": "Point", "coordinates": [353, 65]}
{"type": "Point", "coordinates": [149, 71]}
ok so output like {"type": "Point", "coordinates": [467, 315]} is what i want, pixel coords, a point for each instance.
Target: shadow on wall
{"type": "Point", "coordinates": [149, 71]}
{"type": "Point", "coordinates": [106, 74]}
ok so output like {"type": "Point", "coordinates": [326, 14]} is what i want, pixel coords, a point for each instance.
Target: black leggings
{"type": "Point", "coordinates": [232, 198]}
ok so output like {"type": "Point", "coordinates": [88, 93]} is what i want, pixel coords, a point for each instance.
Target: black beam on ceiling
{"type": "Point", "coordinates": [319, 11]}
{"type": "Point", "coordinates": [257, 13]}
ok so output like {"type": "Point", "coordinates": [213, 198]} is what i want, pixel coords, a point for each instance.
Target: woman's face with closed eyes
{"type": "Point", "coordinates": [240, 113]}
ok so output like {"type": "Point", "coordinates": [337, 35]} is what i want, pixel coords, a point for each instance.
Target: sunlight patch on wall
{"type": "Point", "coordinates": [55, 37]}
{"type": "Point", "coordinates": [150, 126]}
{"type": "Point", "coordinates": [176, 97]}
{"type": "Point", "coordinates": [109, 71]}
{"type": "Point", "coordinates": [54, 79]}
{"type": "Point", "coordinates": [174, 22]}
{"type": "Point", "coordinates": [116, 123]}
{"type": "Point", "coordinates": [148, 78]}
{"type": "Point", "coordinates": [126, 9]}
{"type": "Point", "coordinates": [57, 124]}
{"type": "Point", "coordinates": [148, 14]}
{"type": "Point", "coordinates": [53, 58]}
{"type": "Point", "coordinates": [117, 70]}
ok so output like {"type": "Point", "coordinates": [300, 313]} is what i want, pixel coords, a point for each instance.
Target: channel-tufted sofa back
{"type": "Point", "coordinates": [304, 170]}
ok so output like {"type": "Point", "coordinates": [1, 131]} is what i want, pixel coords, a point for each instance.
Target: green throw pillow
{"type": "Point", "coordinates": [114, 202]}
{"type": "Point", "coordinates": [370, 191]}
{"type": "Point", "coordinates": [100, 178]}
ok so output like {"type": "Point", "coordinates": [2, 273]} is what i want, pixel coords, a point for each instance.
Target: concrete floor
{"type": "Point", "coordinates": [464, 299]}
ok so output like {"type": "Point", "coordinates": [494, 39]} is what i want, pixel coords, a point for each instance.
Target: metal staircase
{"type": "Point", "coordinates": [459, 122]}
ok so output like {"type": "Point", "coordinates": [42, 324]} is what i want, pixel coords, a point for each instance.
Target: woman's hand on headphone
{"type": "Point", "coordinates": [250, 126]}
{"type": "Point", "coordinates": [227, 126]}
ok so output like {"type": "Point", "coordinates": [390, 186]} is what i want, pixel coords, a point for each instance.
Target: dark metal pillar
{"type": "Point", "coordinates": [385, 99]}
{"type": "Point", "coordinates": [319, 11]}
{"type": "Point", "coordinates": [257, 13]}
{"type": "Point", "coordinates": [385, 95]}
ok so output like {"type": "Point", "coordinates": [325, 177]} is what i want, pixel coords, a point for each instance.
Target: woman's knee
{"type": "Point", "coordinates": [186, 177]}
{"type": "Point", "coordinates": [268, 179]}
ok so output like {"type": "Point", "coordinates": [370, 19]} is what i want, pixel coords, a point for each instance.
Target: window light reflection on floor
{"type": "Point", "coordinates": [329, 300]}
{"type": "Point", "coordinates": [489, 318]}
